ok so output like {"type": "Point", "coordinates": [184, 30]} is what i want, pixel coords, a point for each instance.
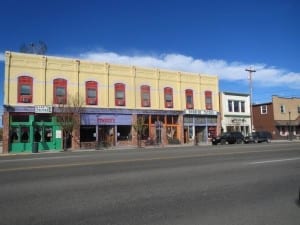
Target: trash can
{"type": "Point", "coordinates": [35, 147]}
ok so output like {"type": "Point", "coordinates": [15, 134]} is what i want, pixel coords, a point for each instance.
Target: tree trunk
{"type": "Point", "coordinates": [65, 141]}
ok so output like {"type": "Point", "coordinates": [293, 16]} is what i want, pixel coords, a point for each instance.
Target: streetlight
{"type": "Point", "coordinates": [250, 86]}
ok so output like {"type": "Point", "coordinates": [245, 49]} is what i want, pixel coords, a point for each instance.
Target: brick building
{"type": "Point", "coordinates": [281, 117]}
{"type": "Point", "coordinates": [177, 107]}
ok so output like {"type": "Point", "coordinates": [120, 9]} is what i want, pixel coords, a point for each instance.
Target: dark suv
{"type": "Point", "coordinates": [258, 137]}
{"type": "Point", "coordinates": [229, 137]}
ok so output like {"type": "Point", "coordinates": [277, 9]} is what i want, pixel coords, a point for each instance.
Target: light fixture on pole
{"type": "Point", "coordinates": [250, 86]}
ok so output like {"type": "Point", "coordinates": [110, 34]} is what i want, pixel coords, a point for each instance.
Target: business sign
{"type": "Point", "coordinates": [105, 119]}
{"type": "Point", "coordinates": [43, 109]}
{"type": "Point", "coordinates": [200, 112]}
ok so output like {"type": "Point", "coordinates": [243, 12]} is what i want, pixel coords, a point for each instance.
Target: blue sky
{"type": "Point", "coordinates": [211, 36]}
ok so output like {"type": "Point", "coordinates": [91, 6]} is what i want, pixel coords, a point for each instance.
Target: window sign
{"type": "Point", "coordinates": [58, 134]}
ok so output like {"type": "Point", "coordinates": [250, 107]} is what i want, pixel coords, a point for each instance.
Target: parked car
{"type": "Point", "coordinates": [229, 137]}
{"type": "Point", "coordinates": [258, 137]}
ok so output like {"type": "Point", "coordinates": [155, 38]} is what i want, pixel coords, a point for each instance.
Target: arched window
{"type": "Point", "coordinates": [145, 96]}
{"type": "Point", "coordinates": [60, 91]}
{"type": "Point", "coordinates": [91, 90]}
{"type": "Point", "coordinates": [208, 100]}
{"type": "Point", "coordinates": [25, 89]}
{"type": "Point", "coordinates": [120, 94]}
{"type": "Point", "coordinates": [189, 100]}
{"type": "Point", "coordinates": [168, 93]}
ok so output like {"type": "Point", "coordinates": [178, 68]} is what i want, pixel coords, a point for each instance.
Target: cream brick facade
{"type": "Point", "coordinates": [45, 69]}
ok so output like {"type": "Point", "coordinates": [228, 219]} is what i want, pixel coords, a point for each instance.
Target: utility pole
{"type": "Point", "coordinates": [250, 86]}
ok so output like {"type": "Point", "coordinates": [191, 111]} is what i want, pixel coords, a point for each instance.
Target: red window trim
{"type": "Point", "coordinates": [93, 85]}
{"type": "Point", "coordinates": [120, 89]}
{"type": "Point", "coordinates": [60, 83]}
{"type": "Point", "coordinates": [25, 80]}
{"type": "Point", "coordinates": [208, 104]}
{"type": "Point", "coordinates": [168, 91]}
{"type": "Point", "coordinates": [145, 89]}
{"type": "Point", "coordinates": [189, 93]}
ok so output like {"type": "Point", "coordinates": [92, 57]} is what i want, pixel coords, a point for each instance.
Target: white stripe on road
{"type": "Point", "coordinates": [275, 160]}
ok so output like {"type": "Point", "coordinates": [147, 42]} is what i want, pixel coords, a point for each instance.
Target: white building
{"type": "Point", "coordinates": [235, 112]}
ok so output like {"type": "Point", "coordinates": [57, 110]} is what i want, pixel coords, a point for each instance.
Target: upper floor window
{"type": "Point", "coordinates": [236, 106]}
{"type": "Point", "coordinates": [189, 99]}
{"type": "Point", "coordinates": [120, 94]}
{"type": "Point", "coordinates": [91, 89]}
{"type": "Point", "coordinates": [60, 91]}
{"type": "Point", "coordinates": [230, 106]}
{"type": "Point", "coordinates": [168, 93]}
{"type": "Point", "coordinates": [264, 109]}
{"type": "Point", "coordinates": [145, 96]}
{"type": "Point", "coordinates": [282, 108]}
{"type": "Point", "coordinates": [208, 100]}
{"type": "Point", "coordinates": [242, 106]}
{"type": "Point", "coordinates": [25, 89]}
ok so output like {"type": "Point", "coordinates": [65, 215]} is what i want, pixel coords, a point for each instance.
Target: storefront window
{"type": "Point", "coordinates": [38, 134]}
{"type": "Point", "coordinates": [25, 133]}
{"type": "Point", "coordinates": [172, 119]}
{"type": "Point", "coordinates": [123, 132]}
{"type": "Point", "coordinates": [155, 118]}
{"type": "Point", "coordinates": [20, 118]}
{"type": "Point", "coordinates": [48, 134]}
{"type": "Point", "coordinates": [87, 133]}
{"type": "Point", "coordinates": [15, 135]}
{"type": "Point", "coordinates": [43, 118]}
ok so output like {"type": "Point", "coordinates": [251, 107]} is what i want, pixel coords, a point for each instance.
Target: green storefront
{"type": "Point", "coordinates": [32, 132]}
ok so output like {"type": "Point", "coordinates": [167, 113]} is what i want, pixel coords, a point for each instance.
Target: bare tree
{"type": "Point", "coordinates": [39, 48]}
{"type": "Point", "coordinates": [139, 128]}
{"type": "Point", "coordinates": [68, 116]}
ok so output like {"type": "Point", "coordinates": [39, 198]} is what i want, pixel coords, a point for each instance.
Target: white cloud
{"type": "Point", "coordinates": [231, 71]}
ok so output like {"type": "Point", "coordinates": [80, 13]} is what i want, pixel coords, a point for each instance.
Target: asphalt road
{"type": "Point", "coordinates": [254, 184]}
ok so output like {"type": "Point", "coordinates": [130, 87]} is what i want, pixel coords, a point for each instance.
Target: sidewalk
{"type": "Point", "coordinates": [133, 147]}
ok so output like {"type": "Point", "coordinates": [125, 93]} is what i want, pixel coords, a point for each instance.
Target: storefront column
{"type": "Point", "coordinates": [6, 130]}
{"type": "Point", "coordinates": [181, 129]}
{"type": "Point", "coordinates": [76, 133]}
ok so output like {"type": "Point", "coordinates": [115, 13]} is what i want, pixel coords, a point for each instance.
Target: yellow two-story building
{"type": "Point", "coordinates": [177, 107]}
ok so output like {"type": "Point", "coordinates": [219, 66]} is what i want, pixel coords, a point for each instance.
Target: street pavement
{"type": "Point", "coordinates": [255, 184]}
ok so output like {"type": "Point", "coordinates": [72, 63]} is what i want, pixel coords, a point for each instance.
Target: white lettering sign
{"type": "Point", "coordinates": [43, 109]}
{"type": "Point", "coordinates": [200, 112]}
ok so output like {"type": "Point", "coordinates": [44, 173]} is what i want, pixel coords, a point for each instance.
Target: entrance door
{"type": "Point", "coordinates": [106, 135]}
